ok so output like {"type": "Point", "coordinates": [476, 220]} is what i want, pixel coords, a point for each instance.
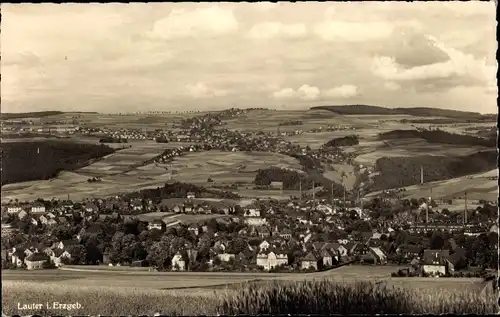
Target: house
{"type": "Point", "coordinates": [226, 257]}
{"type": "Point", "coordinates": [311, 260]}
{"type": "Point", "coordinates": [34, 221]}
{"type": "Point", "coordinates": [37, 209]}
{"type": "Point", "coordinates": [22, 214]}
{"type": "Point", "coordinates": [136, 205]}
{"type": "Point", "coordinates": [375, 256]}
{"type": "Point", "coordinates": [277, 185]}
{"type": "Point", "coordinates": [285, 234]}
{"type": "Point", "coordinates": [263, 231]}
{"type": "Point", "coordinates": [58, 255]}
{"type": "Point", "coordinates": [409, 252]}
{"type": "Point", "coordinates": [91, 207]}
{"type": "Point", "coordinates": [252, 212]}
{"type": "Point", "coordinates": [194, 229]}
{"type": "Point", "coordinates": [156, 224]}
{"type": "Point", "coordinates": [51, 222]}
{"type": "Point", "coordinates": [272, 259]}
{"type": "Point", "coordinates": [36, 261]}
{"type": "Point", "coordinates": [43, 220]}
{"type": "Point", "coordinates": [264, 245]}
{"type": "Point", "coordinates": [326, 258]}
{"type": "Point", "coordinates": [178, 262]}
{"type": "Point", "coordinates": [14, 209]}
{"type": "Point", "coordinates": [17, 257]}
{"type": "Point", "coordinates": [66, 244]}
{"type": "Point", "coordinates": [178, 208]}
{"type": "Point", "coordinates": [188, 208]}
{"type": "Point", "coordinates": [435, 262]}
{"type": "Point", "coordinates": [255, 221]}
{"type": "Point", "coordinates": [190, 195]}
{"type": "Point", "coordinates": [494, 228]}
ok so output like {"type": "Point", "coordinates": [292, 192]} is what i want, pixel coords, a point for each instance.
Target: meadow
{"type": "Point", "coordinates": [226, 167]}
{"type": "Point", "coordinates": [273, 297]}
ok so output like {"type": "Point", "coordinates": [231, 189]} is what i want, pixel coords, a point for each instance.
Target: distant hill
{"type": "Point", "coordinates": [417, 111]}
{"type": "Point", "coordinates": [438, 136]}
{"type": "Point", "coordinates": [37, 114]}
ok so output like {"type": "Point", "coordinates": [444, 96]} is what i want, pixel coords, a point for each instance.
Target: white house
{"type": "Point", "coordinates": [178, 263]}
{"type": "Point", "coordinates": [14, 209]}
{"type": "Point", "coordinates": [190, 195]}
{"type": "Point", "coordinates": [37, 209]}
{"type": "Point", "coordinates": [225, 257]}
{"type": "Point", "coordinates": [271, 260]}
{"type": "Point", "coordinates": [252, 212]}
{"type": "Point", "coordinates": [156, 224]}
{"type": "Point", "coordinates": [255, 221]}
{"type": "Point", "coordinates": [264, 245]}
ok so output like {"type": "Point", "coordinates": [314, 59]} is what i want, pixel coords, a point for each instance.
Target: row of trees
{"type": "Point", "coordinates": [349, 140]}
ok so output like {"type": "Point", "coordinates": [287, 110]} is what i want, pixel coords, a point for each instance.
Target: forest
{"type": "Point", "coordinates": [349, 140]}
{"type": "Point", "coordinates": [438, 136]}
{"type": "Point", "coordinates": [37, 160]}
{"type": "Point", "coordinates": [405, 171]}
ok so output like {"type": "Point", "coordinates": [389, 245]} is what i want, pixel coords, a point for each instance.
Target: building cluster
{"type": "Point", "coordinates": [292, 235]}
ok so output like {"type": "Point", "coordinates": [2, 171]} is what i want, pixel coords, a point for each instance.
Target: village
{"type": "Point", "coordinates": [297, 235]}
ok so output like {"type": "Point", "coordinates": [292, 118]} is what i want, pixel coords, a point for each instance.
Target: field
{"type": "Point", "coordinates": [226, 167]}
{"type": "Point", "coordinates": [336, 175]}
{"type": "Point", "coordinates": [120, 172]}
{"type": "Point", "coordinates": [136, 291]}
{"type": "Point", "coordinates": [478, 186]}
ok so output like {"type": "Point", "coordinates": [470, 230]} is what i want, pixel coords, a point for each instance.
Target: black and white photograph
{"type": "Point", "coordinates": [249, 158]}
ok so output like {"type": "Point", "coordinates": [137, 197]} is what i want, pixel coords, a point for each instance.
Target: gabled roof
{"type": "Point", "coordinates": [431, 256]}
{"type": "Point", "coordinates": [311, 256]}
{"type": "Point", "coordinates": [37, 257]}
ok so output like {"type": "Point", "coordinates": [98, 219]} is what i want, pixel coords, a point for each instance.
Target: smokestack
{"type": "Point", "coordinates": [465, 212]}
{"type": "Point", "coordinates": [314, 195]}
{"type": "Point", "coordinates": [421, 175]}
{"type": "Point", "coordinates": [332, 193]}
{"type": "Point", "coordinates": [300, 189]}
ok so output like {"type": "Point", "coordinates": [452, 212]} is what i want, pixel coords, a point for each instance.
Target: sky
{"type": "Point", "coordinates": [209, 56]}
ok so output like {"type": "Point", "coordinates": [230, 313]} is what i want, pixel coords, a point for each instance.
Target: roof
{"type": "Point", "coordinates": [379, 253]}
{"type": "Point", "coordinates": [37, 257]}
{"type": "Point", "coordinates": [70, 242]}
{"type": "Point", "coordinates": [455, 258]}
{"type": "Point", "coordinates": [435, 257]}
{"type": "Point", "coordinates": [310, 257]}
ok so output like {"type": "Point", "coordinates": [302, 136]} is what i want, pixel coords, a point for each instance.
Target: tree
{"type": "Point", "coordinates": [437, 241]}
{"type": "Point", "coordinates": [78, 254]}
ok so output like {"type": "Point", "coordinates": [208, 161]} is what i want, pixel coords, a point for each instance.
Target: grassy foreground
{"type": "Point", "coordinates": [308, 297]}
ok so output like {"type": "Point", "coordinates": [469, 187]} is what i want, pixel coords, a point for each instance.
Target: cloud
{"type": "Point", "coordinates": [390, 85]}
{"type": "Point", "coordinates": [180, 23]}
{"type": "Point", "coordinates": [305, 92]}
{"type": "Point", "coordinates": [267, 30]}
{"type": "Point", "coordinates": [344, 91]}
{"type": "Point", "coordinates": [331, 30]}
{"type": "Point", "coordinates": [459, 69]}
{"type": "Point", "coordinates": [200, 90]}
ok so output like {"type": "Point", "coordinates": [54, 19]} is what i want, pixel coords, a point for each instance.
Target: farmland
{"type": "Point", "coordinates": [137, 291]}
{"type": "Point", "coordinates": [226, 167]}
{"type": "Point", "coordinates": [119, 172]}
